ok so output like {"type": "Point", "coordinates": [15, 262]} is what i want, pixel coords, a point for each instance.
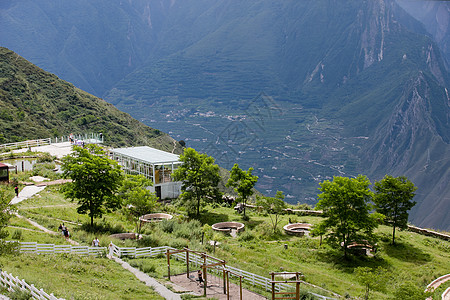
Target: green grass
{"type": "Point", "coordinates": [417, 259]}
{"type": "Point", "coordinates": [77, 277]}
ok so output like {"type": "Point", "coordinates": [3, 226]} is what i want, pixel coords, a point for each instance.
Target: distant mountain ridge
{"type": "Point", "coordinates": [348, 87]}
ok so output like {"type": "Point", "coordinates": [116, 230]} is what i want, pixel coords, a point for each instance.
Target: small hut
{"type": "Point", "coordinates": [4, 172]}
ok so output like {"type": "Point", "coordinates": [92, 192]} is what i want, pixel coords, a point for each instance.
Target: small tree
{"type": "Point", "coordinates": [345, 203]}
{"type": "Point", "coordinates": [200, 177]}
{"type": "Point", "coordinates": [393, 198]}
{"type": "Point", "coordinates": [137, 198]}
{"type": "Point", "coordinates": [274, 206]}
{"type": "Point", "coordinates": [372, 279]}
{"type": "Point", "coordinates": [243, 183]}
{"type": "Point", "coordinates": [95, 180]}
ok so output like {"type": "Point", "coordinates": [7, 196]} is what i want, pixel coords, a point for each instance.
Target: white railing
{"type": "Point", "coordinates": [27, 247]}
{"type": "Point", "coordinates": [196, 260]}
{"type": "Point", "coordinates": [90, 138]}
{"type": "Point", "coordinates": [12, 284]}
{"type": "Point", "coordinates": [26, 144]}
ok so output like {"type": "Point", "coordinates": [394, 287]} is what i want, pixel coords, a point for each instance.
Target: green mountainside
{"type": "Point", "coordinates": [360, 89]}
{"type": "Point", "coordinates": [299, 90]}
{"type": "Point", "coordinates": [36, 104]}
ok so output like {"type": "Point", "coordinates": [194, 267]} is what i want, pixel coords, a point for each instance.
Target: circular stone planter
{"type": "Point", "coordinates": [298, 229]}
{"type": "Point", "coordinates": [124, 236]}
{"type": "Point", "coordinates": [155, 217]}
{"type": "Point", "coordinates": [228, 227]}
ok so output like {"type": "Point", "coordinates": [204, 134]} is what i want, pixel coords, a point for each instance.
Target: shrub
{"type": "Point", "coordinates": [167, 225]}
{"type": "Point", "coordinates": [20, 295]}
{"type": "Point", "coordinates": [246, 236]}
{"type": "Point", "coordinates": [45, 157]}
{"type": "Point", "coordinates": [188, 230]}
{"type": "Point", "coordinates": [149, 241]}
{"type": "Point", "coordinates": [103, 227]}
{"type": "Point", "coordinates": [17, 234]}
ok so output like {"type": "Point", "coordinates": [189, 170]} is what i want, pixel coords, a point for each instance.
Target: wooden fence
{"type": "Point", "coordinates": [12, 284]}
{"type": "Point", "coordinates": [33, 247]}
{"type": "Point", "coordinates": [197, 261]}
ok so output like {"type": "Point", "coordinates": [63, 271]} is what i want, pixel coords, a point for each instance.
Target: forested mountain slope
{"type": "Point", "coordinates": [36, 104]}
{"type": "Point", "coordinates": [299, 90]}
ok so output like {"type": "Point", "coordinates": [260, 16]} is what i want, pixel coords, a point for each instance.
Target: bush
{"type": "Point", "coordinates": [17, 235]}
{"type": "Point", "coordinates": [188, 230]}
{"type": "Point", "coordinates": [246, 236]}
{"type": "Point", "coordinates": [149, 241]}
{"type": "Point", "coordinates": [9, 248]}
{"type": "Point", "coordinates": [45, 157]}
{"type": "Point", "coordinates": [167, 225]}
{"type": "Point", "coordinates": [103, 227]}
{"type": "Point", "coordinates": [20, 295]}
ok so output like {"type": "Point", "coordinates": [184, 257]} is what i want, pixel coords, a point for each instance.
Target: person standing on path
{"type": "Point", "coordinates": [16, 189]}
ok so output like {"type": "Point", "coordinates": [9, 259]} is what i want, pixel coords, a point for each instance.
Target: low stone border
{"type": "Point", "coordinates": [298, 229]}
{"type": "Point", "coordinates": [228, 226]}
{"type": "Point", "coordinates": [124, 236]}
{"type": "Point", "coordinates": [155, 217]}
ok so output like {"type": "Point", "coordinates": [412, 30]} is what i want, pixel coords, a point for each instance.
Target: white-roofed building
{"type": "Point", "coordinates": [157, 165]}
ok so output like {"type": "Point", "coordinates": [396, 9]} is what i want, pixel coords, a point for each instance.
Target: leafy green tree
{"type": "Point", "coordinates": [243, 183]}
{"type": "Point", "coordinates": [393, 198]}
{"type": "Point", "coordinates": [273, 206]}
{"type": "Point", "coordinates": [372, 279]}
{"type": "Point", "coordinates": [5, 209]}
{"type": "Point", "coordinates": [200, 177]}
{"type": "Point", "coordinates": [95, 180]}
{"type": "Point", "coordinates": [137, 198]}
{"type": "Point", "coordinates": [345, 203]}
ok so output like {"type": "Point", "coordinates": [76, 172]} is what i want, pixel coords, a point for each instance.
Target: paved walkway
{"type": "Point", "coordinates": [27, 192]}
{"type": "Point", "coordinates": [159, 288]}
{"type": "Point", "coordinates": [59, 149]}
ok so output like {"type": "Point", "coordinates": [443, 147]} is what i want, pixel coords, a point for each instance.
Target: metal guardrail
{"type": "Point", "coordinates": [26, 144]}
{"type": "Point", "coordinates": [90, 138]}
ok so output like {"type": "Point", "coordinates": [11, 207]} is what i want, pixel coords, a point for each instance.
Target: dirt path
{"type": "Point", "coordinates": [214, 288]}
{"type": "Point", "coordinates": [37, 225]}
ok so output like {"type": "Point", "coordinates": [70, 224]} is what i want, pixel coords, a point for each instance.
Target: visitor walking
{"type": "Point", "coordinates": [95, 242]}
{"type": "Point", "coordinates": [16, 189]}
{"type": "Point", "coordinates": [200, 276]}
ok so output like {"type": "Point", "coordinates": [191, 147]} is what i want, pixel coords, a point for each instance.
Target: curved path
{"type": "Point", "coordinates": [29, 191]}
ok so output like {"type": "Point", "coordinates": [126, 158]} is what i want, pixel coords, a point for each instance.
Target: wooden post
{"type": "Point", "coordinates": [224, 287]}
{"type": "Point", "coordinates": [187, 262]}
{"type": "Point", "coordinates": [273, 286]}
{"type": "Point", "coordinates": [240, 283]}
{"type": "Point", "coordinates": [205, 277]}
{"type": "Point", "coordinates": [228, 286]}
{"type": "Point", "coordinates": [168, 264]}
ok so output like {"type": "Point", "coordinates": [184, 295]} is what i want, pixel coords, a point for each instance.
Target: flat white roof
{"type": "Point", "coordinates": [147, 154]}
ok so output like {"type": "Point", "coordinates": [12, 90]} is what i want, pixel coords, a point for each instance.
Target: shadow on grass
{"type": "Point", "coordinates": [406, 252]}
{"type": "Point", "coordinates": [348, 264]}
{"type": "Point", "coordinates": [210, 217]}
{"type": "Point", "coordinates": [251, 224]}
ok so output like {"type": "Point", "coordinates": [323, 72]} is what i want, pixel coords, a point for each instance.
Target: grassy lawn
{"type": "Point", "coordinates": [416, 259]}
{"type": "Point", "coordinates": [77, 277]}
